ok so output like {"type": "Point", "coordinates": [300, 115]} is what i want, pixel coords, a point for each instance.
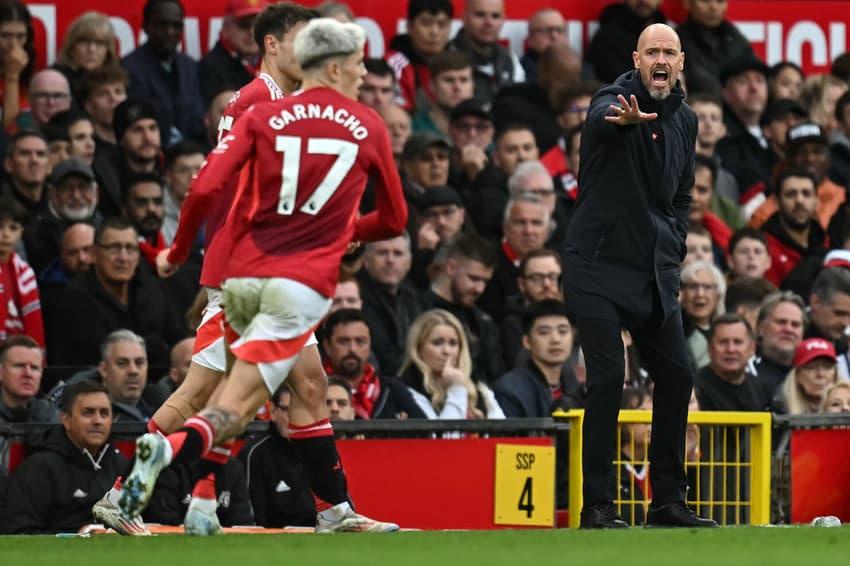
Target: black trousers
{"type": "Point", "coordinates": [664, 352]}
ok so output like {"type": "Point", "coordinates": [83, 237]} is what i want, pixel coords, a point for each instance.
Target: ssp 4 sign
{"type": "Point", "coordinates": [525, 485]}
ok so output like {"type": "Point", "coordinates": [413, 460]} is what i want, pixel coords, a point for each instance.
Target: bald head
{"type": "Point", "coordinates": [659, 59]}
{"type": "Point", "coordinates": [77, 242]}
{"type": "Point", "coordinates": [49, 94]}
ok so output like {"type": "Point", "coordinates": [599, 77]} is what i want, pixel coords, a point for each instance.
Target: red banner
{"type": "Point", "coordinates": [820, 474]}
{"type": "Point", "coordinates": [809, 32]}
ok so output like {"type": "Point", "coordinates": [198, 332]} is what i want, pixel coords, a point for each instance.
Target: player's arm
{"type": "Point", "coordinates": [390, 218]}
{"type": "Point", "coordinates": [222, 164]}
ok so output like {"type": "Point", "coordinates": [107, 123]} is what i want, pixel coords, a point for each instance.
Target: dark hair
{"type": "Point", "coordinates": [181, 149]}
{"type": "Point", "coordinates": [106, 75]}
{"type": "Point", "coordinates": [840, 67]}
{"type": "Point", "coordinates": [434, 7]}
{"type": "Point", "coordinates": [378, 66]}
{"type": "Point", "coordinates": [277, 19]}
{"type": "Point", "coordinates": [538, 253]}
{"type": "Point", "coordinates": [793, 172]}
{"type": "Point", "coordinates": [746, 233]}
{"type": "Point", "coordinates": [699, 230]}
{"type": "Point", "coordinates": [147, 11]}
{"type": "Point", "coordinates": [84, 387]}
{"type": "Point", "coordinates": [67, 119]}
{"type": "Point", "coordinates": [709, 163]}
{"type": "Point", "coordinates": [539, 309]}
{"type": "Point", "coordinates": [512, 127]}
{"type": "Point", "coordinates": [15, 341]}
{"type": "Point", "coordinates": [748, 292]}
{"type": "Point", "coordinates": [831, 280]}
{"type": "Point", "coordinates": [704, 98]}
{"type": "Point", "coordinates": [14, 11]}
{"type": "Point", "coordinates": [111, 223]}
{"type": "Point", "coordinates": [11, 209]}
{"type": "Point", "coordinates": [343, 316]}
{"type": "Point", "coordinates": [141, 177]}
{"type": "Point", "coordinates": [777, 68]}
{"type": "Point", "coordinates": [449, 61]}
{"type": "Point", "coordinates": [725, 320]}
{"type": "Point", "coordinates": [474, 248]}
{"type": "Point", "coordinates": [334, 380]}
{"type": "Point", "coordinates": [18, 136]}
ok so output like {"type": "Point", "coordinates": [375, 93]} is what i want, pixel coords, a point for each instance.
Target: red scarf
{"type": "Point", "coordinates": [510, 253]}
{"type": "Point", "coordinates": [150, 252]}
{"type": "Point", "coordinates": [367, 392]}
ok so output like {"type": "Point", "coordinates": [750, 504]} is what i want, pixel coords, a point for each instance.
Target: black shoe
{"type": "Point", "coordinates": [602, 516]}
{"type": "Point", "coordinates": [676, 515]}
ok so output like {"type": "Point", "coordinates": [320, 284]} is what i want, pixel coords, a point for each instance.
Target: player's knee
{"type": "Point", "coordinates": [310, 387]}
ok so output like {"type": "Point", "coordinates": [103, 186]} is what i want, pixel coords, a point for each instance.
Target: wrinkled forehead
{"type": "Point", "coordinates": [659, 36]}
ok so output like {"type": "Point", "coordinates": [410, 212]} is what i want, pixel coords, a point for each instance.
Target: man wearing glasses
{"type": "Point", "coordinates": [545, 27]}
{"type": "Point", "coordinates": [50, 94]}
{"type": "Point", "coordinates": [114, 294]}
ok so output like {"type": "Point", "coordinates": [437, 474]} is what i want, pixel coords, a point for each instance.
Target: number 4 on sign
{"type": "Point", "coordinates": [290, 147]}
{"type": "Point", "coordinates": [526, 499]}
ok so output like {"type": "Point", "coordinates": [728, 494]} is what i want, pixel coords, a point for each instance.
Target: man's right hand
{"type": "Point", "coordinates": [628, 114]}
{"type": "Point", "coordinates": [163, 267]}
{"type": "Point", "coordinates": [473, 160]}
{"type": "Point", "coordinates": [427, 237]}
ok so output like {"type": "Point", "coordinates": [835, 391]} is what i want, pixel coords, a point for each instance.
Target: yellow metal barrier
{"type": "Point", "coordinates": [728, 470]}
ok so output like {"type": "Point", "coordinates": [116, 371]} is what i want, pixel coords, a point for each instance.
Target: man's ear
{"type": "Point", "coordinates": [636, 59]}
{"type": "Point", "coordinates": [526, 343]}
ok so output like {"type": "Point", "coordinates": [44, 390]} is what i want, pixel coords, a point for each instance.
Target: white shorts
{"type": "Point", "coordinates": [274, 319]}
{"type": "Point", "coordinates": [209, 349]}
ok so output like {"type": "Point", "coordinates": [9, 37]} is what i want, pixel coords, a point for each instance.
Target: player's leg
{"type": "Point", "coordinates": [312, 438]}
{"type": "Point", "coordinates": [273, 318]}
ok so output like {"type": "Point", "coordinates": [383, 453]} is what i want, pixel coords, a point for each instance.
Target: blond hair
{"type": "Point", "coordinates": [793, 395]}
{"type": "Point", "coordinates": [89, 24]}
{"type": "Point", "coordinates": [418, 334]}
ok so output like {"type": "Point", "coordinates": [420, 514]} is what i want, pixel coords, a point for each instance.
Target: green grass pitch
{"type": "Point", "coordinates": [748, 546]}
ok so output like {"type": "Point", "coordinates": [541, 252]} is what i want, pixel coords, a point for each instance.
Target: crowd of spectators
{"type": "Point", "coordinates": [460, 317]}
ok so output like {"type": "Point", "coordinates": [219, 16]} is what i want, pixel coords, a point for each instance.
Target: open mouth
{"type": "Point", "coordinates": [659, 77]}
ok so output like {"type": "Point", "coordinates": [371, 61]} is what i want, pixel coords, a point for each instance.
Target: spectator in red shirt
{"type": "Point", "coordinates": [20, 305]}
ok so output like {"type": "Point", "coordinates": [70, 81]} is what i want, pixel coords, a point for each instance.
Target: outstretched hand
{"type": "Point", "coordinates": [628, 114]}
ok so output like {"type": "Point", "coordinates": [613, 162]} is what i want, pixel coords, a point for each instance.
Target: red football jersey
{"type": "Point", "coordinates": [262, 89]}
{"type": "Point", "coordinates": [302, 164]}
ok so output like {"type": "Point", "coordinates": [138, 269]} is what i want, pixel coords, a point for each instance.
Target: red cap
{"type": "Point", "coordinates": [811, 349]}
{"type": "Point", "coordinates": [244, 8]}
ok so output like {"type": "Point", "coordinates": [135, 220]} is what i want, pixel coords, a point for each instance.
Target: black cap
{"type": "Point", "coordinates": [805, 132]}
{"type": "Point", "coordinates": [419, 142]}
{"type": "Point", "coordinates": [131, 111]}
{"type": "Point", "coordinates": [471, 106]}
{"type": "Point", "coordinates": [742, 64]}
{"type": "Point", "coordinates": [781, 107]}
{"type": "Point", "coordinates": [440, 195]}
{"type": "Point", "coordinates": [68, 167]}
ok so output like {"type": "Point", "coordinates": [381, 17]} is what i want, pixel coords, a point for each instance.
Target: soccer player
{"type": "Point", "coordinates": [302, 165]}
{"type": "Point", "coordinates": [274, 31]}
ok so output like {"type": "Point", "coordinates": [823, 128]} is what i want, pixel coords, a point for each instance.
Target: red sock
{"type": "Point", "coordinates": [205, 488]}
{"type": "Point", "coordinates": [196, 438]}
